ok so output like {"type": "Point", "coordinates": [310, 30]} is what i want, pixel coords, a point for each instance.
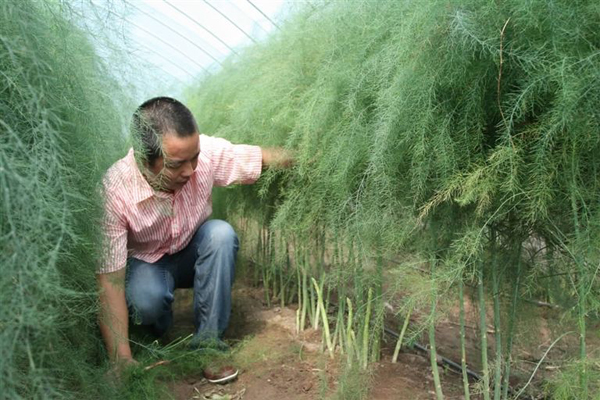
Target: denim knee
{"type": "Point", "coordinates": [220, 235]}
{"type": "Point", "coordinates": [149, 306]}
{"type": "Point", "coordinates": [148, 295]}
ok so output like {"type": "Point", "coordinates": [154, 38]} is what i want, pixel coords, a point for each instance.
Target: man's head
{"type": "Point", "coordinates": [168, 142]}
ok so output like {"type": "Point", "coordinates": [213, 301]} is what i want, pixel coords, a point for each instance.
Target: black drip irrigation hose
{"type": "Point", "coordinates": [446, 361]}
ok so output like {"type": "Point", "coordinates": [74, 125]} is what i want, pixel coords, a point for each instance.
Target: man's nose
{"type": "Point", "coordinates": [187, 170]}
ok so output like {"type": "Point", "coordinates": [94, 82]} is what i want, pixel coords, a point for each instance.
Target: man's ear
{"type": "Point", "coordinates": [153, 169]}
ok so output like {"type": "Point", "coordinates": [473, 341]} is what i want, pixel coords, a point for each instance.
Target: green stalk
{"type": "Point", "coordinates": [268, 267]}
{"type": "Point", "coordinates": [314, 308]}
{"type": "Point", "coordinates": [433, 356]}
{"type": "Point", "coordinates": [342, 337]}
{"type": "Point", "coordinates": [300, 300]}
{"type": "Point", "coordinates": [365, 338]}
{"type": "Point", "coordinates": [288, 268]}
{"type": "Point", "coordinates": [268, 245]}
{"type": "Point", "coordinates": [258, 265]}
{"type": "Point", "coordinates": [511, 326]}
{"type": "Point", "coordinates": [304, 299]}
{"type": "Point", "coordinates": [324, 316]}
{"type": "Point", "coordinates": [327, 296]}
{"type": "Point", "coordinates": [336, 331]}
{"type": "Point", "coordinates": [293, 291]}
{"type": "Point", "coordinates": [497, 332]}
{"type": "Point", "coordinates": [319, 295]}
{"type": "Point", "coordinates": [313, 314]}
{"type": "Point", "coordinates": [582, 332]}
{"type": "Point", "coordinates": [483, 332]}
{"type": "Point", "coordinates": [276, 268]}
{"type": "Point", "coordinates": [336, 259]}
{"type": "Point", "coordinates": [581, 309]}
{"type": "Point", "coordinates": [378, 320]}
{"type": "Point", "coordinates": [349, 332]}
{"type": "Point", "coordinates": [401, 337]}
{"type": "Point", "coordinates": [323, 250]}
{"type": "Point", "coordinates": [432, 351]}
{"type": "Point", "coordinates": [266, 286]}
{"type": "Point", "coordinates": [303, 289]}
{"type": "Point", "coordinates": [281, 290]}
{"type": "Point", "coordinates": [463, 350]}
{"type": "Point", "coordinates": [581, 284]}
{"type": "Point", "coordinates": [355, 348]}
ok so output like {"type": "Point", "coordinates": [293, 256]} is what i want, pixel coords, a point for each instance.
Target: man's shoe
{"type": "Point", "coordinates": [220, 375]}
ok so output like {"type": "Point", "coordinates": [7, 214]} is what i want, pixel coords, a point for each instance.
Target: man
{"type": "Point", "coordinates": [157, 233]}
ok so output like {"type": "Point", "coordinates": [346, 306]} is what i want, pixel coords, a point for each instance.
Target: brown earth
{"type": "Point", "coordinates": [539, 347]}
{"type": "Point", "coordinates": [277, 363]}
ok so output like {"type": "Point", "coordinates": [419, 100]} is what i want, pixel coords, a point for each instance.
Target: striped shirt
{"type": "Point", "coordinates": [147, 224]}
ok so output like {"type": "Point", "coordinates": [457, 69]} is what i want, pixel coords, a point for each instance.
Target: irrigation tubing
{"type": "Point", "coordinates": [455, 366]}
{"type": "Point", "coordinates": [444, 360]}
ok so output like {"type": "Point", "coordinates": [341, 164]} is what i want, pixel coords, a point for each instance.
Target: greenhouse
{"type": "Point", "coordinates": [407, 193]}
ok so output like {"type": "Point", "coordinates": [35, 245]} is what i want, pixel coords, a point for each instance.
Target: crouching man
{"type": "Point", "coordinates": [157, 234]}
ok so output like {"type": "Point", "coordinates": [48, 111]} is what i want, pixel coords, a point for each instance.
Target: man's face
{"type": "Point", "coordinates": [171, 172]}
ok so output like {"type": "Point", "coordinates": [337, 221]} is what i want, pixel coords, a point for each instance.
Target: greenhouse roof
{"type": "Point", "coordinates": [179, 41]}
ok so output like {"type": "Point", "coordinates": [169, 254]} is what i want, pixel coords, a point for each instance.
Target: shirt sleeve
{"type": "Point", "coordinates": [232, 163]}
{"type": "Point", "coordinates": [114, 254]}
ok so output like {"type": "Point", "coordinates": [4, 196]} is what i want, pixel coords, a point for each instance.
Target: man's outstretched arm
{"type": "Point", "coordinates": [114, 316]}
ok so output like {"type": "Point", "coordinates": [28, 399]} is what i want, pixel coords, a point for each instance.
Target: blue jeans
{"type": "Point", "coordinates": [207, 265]}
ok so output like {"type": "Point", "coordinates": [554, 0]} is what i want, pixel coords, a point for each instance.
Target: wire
{"type": "Point", "coordinates": [264, 15]}
{"type": "Point", "coordinates": [167, 60]}
{"type": "Point", "coordinates": [241, 12]}
{"type": "Point", "coordinates": [153, 50]}
{"type": "Point", "coordinates": [201, 26]}
{"type": "Point", "coordinates": [228, 19]}
{"type": "Point", "coordinates": [175, 31]}
{"type": "Point", "coordinates": [167, 43]}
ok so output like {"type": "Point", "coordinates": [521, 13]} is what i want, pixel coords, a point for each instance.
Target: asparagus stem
{"type": "Point", "coordinates": [497, 333]}
{"type": "Point", "coordinates": [324, 316]}
{"type": "Point", "coordinates": [463, 351]}
{"type": "Point", "coordinates": [365, 338]}
{"type": "Point", "coordinates": [511, 326]}
{"type": "Point", "coordinates": [483, 332]}
{"type": "Point", "coordinates": [401, 337]}
{"type": "Point", "coordinates": [349, 333]}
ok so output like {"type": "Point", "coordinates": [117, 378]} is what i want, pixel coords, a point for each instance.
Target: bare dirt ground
{"type": "Point", "coordinates": [277, 363]}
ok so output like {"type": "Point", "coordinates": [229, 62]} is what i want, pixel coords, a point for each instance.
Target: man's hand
{"type": "Point", "coordinates": [126, 362]}
{"type": "Point", "coordinates": [119, 367]}
{"type": "Point", "coordinates": [277, 157]}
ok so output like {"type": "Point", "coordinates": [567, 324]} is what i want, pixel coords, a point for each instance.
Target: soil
{"type": "Point", "coordinates": [539, 340]}
{"type": "Point", "coordinates": [276, 362]}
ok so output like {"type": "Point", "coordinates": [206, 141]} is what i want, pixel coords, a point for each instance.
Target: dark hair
{"type": "Point", "coordinates": [157, 117]}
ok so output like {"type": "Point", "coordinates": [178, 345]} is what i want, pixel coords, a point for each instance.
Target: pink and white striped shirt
{"type": "Point", "coordinates": [147, 224]}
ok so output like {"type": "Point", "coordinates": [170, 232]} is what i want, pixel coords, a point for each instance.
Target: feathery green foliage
{"type": "Point", "coordinates": [473, 116]}
{"type": "Point", "coordinates": [394, 109]}
{"type": "Point", "coordinates": [60, 128]}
